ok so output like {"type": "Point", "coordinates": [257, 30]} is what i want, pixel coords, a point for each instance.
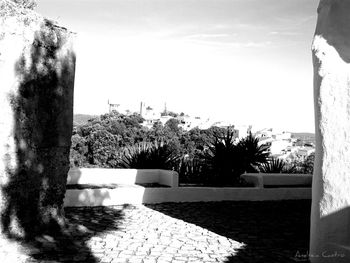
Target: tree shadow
{"type": "Point", "coordinates": [272, 231]}
{"type": "Point", "coordinates": [74, 242]}
{"type": "Point", "coordinates": [37, 161]}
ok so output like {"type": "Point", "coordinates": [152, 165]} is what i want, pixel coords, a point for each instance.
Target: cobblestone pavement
{"type": "Point", "coordinates": [275, 231]}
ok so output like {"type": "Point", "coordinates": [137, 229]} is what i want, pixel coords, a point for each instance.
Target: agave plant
{"type": "Point", "coordinates": [221, 159]}
{"type": "Point", "coordinates": [276, 165]}
{"type": "Point", "coordinates": [148, 156]}
{"type": "Point", "coordinates": [251, 154]}
{"type": "Point", "coordinates": [192, 170]}
{"type": "Point", "coordinates": [135, 156]}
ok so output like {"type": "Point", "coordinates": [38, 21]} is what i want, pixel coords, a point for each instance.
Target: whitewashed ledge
{"type": "Point", "coordinates": [266, 180]}
{"type": "Point", "coordinates": [125, 191]}
{"type": "Point", "coordinates": [98, 176]}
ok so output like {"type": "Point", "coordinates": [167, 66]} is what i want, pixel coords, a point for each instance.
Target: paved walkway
{"type": "Point", "coordinates": [184, 232]}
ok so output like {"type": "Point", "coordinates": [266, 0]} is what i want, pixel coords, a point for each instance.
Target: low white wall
{"type": "Point", "coordinates": [122, 176]}
{"type": "Point", "coordinates": [170, 178]}
{"type": "Point", "coordinates": [275, 179]}
{"type": "Point", "coordinates": [138, 195]}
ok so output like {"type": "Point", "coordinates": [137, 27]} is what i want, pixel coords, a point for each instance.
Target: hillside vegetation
{"type": "Point", "coordinates": [212, 156]}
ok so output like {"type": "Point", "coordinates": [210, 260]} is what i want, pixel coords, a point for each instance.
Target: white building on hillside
{"type": "Point", "coordinates": [280, 146]}
{"type": "Point", "coordinates": [118, 107]}
{"type": "Point", "coordinates": [305, 151]}
{"type": "Point", "coordinates": [243, 130]}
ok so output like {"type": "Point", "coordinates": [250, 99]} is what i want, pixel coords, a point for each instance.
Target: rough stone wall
{"type": "Point", "coordinates": [330, 218]}
{"type": "Point", "coordinates": [37, 67]}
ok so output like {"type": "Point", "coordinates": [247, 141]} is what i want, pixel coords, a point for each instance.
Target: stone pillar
{"type": "Point", "coordinates": [330, 215]}
{"type": "Point", "coordinates": [37, 66]}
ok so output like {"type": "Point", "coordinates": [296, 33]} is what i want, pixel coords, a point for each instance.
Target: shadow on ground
{"type": "Point", "coordinates": [273, 231]}
{"type": "Point", "coordinates": [75, 243]}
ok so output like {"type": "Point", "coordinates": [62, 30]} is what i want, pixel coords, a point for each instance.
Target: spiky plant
{"type": "Point", "coordinates": [148, 156]}
{"type": "Point", "coordinates": [251, 154]}
{"type": "Point", "coordinates": [221, 159]}
{"type": "Point", "coordinates": [192, 170]}
{"type": "Point", "coordinates": [276, 165]}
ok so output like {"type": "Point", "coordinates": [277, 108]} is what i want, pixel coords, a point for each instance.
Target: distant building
{"type": "Point", "coordinates": [142, 108]}
{"type": "Point", "coordinates": [120, 108]}
{"type": "Point", "coordinates": [279, 146]}
{"type": "Point", "coordinates": [305, 151]}
{"type": "Point", "coordinates": [163, 119]}
{"type": "Point", "coordinates": [113, 106]}
{"type": "Point", "coordinates": [282, 145]}
{"type": "Point", "coordinates": [243, 130]}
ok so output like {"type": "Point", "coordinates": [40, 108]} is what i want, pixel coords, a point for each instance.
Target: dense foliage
{"type": "Point", "coordinates": [30, 4]}
{"type": "Point", "coordinates": [208, 157]}
{"type": "Point", "coordinates": [298, 166]}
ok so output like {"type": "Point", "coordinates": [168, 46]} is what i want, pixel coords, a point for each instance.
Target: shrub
{"type": "Point", "coordinates": [304, 165]}
{"type": "Point", "coordinates": [78, 151]}
{"type": "Point", "coordinates": [148, 156]}
{"type": "Point", "coordinates": [308, 165]}
{"type": "Point", "coordinates": [276, 165]}
{"type": "Point", "coordinates": [192, 170]}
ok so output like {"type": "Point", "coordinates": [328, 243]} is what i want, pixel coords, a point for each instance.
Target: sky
{"type": "Point", "coordinates": [244, 61]}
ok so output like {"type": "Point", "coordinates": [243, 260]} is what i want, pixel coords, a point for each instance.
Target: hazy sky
{"type": "Point", "coordinates": [248, 61]}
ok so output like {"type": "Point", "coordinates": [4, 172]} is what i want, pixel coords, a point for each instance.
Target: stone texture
{"type": "Point", "coordinates": [330, 227]}
{"type": "Point", "coordinates": [37, 66]}
{"type": "Point", "coordinates": [199, 232]}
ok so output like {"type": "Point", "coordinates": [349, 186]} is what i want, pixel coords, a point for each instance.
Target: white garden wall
{"type": "Point", "coordinates": [99, 176]}
{"type": "Point", "coordinates": [126, 191]}
{"type": "Point", "coordinates": [262, 180]}
{"type": "Point", "coordinates": [139, 195]}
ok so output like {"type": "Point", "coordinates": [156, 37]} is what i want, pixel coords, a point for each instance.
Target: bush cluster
{"type": "Point", "coordinates": [205, 157]}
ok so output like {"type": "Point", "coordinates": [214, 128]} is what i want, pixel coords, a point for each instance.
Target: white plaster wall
{"type": "Point", "coordinates": [121, 176]}
{"type": "Point", "coordinates": [271, 179]}
{"type": "Point", "coordinates": [138, 195]}
{"type": "Point", "coordinates": [170, 178]}
{"type": "Point", "coordinates": [14, 40]}
{"type": "Point", "coordinates": [287, 179]}
{"type": "Point", "coordinates": [104, 197]}
{"type": "Point", "coordinates": [330, 216]}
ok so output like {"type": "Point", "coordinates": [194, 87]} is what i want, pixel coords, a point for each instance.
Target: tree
{"type": "Point", "coordinates": [173, 125]}
{"type": "Point", "coordinates": [78, 151]}
{"type": "Point", "coordinates": [30, 4]}
{"type": "Point", "coordinates": [102, 149]}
